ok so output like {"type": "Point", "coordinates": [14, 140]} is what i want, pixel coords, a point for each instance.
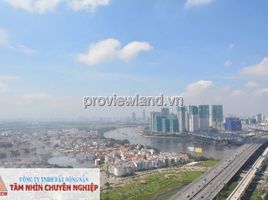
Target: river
{"type": "Point", "coordinates": [178, 144]}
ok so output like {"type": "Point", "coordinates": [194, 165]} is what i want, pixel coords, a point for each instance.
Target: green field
{"type": "Point", "coordinates": [256, 195]}
{"type": "Point", "coordinates": [208, 163]}
{"type": "Point", "coordinates": [151, 187]}
{"type": "Point", "coordinates": [227, 191]}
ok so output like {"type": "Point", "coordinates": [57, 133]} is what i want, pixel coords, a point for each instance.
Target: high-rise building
{"type": "Point", "coordinates": [217, 116]}
{"type": "Point", "coordinates": [164, 112]}
{"type": "Point", "coordinates": [173, 122]}
{"type": "Point", "coordinates": [165, 124]}
{"type": "Point", "coordinates": [159, 127]}
{"type": "Point", "coordinates": [203, 111]}
{"type": "Point", "coordinates": [155, 124]}
{"type": "Point", "coordinates": [186, 118]}
{"type": "Point", "coordinates": [233, 124]}
{"type": "Point", "coordinates": [181, 119]}
{"type": "Point", "coordinates": [259, 118]}
{"type": "Point", "coordinates": [193, 119]}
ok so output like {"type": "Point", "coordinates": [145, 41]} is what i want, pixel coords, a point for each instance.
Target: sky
{"type": "Point", "coordinates": [54, 52]}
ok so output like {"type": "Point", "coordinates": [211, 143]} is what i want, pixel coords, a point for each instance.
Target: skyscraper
{"type": "Point", "coordinates": [193, 118]}
{"type": "Point", "coordinates": [154, 125]}
{"type": "Point", "coordinates": [181, 119]}
{"type": "Point", "coordinates": [186, 118]}
{"type": "Point", "coordinates": [203, 111]}
{"type": "Point", "coordinates": [164, 112]}
{"type": "Point", "coordinates": [217, 116]}
{"type": "Point", "coordinates": [173, 122]}
{"type": "Point", "coordinates": [259, 118]}
{"type": "Point", "coordinates": [165, 124]}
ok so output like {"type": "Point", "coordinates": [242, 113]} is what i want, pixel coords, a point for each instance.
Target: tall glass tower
{"type": "Point", "coordinates": [203, 111]}
{"type": "Point", "coordinates": [193, 119]}
{"type": "Point", "coordinates": [217, 116]}
{"type": "Point", "coordinates": [181, 119]}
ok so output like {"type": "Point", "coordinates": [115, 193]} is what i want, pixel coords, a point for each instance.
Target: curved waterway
{"type": "Point", "coordinates": [211, 149]}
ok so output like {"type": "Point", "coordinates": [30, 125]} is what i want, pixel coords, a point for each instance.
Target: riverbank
{"type": "Point", "coordinates": [156, 135]}
{"type": "Point", "coordinates": [211, 149]}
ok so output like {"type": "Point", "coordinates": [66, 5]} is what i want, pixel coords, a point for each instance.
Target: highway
{"type": "Point", "coordinates": [247, 179]}
{"type": "Point", "coordinates": [213, 181]}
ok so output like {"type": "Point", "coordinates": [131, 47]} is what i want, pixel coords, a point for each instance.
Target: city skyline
{"type": "Point", "coordinates": [54, 53]}
{"type": "Point", "coordinates": [188, 119]}
{"type": "Point", "coordinates": [200, 119]}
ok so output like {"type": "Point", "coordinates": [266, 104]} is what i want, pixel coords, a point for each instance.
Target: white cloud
{"type": "Point", "coordinates": [193, 3]}
{"type": "Point", "coordinates": [87, 4]}
{"type": "Point", "coordinates": [38, 6]}
{"type": "Point", "coordinates": [110, 49]}
{"type": "Point", "coordinates": [199, 85]}
{"type": "Point", "coordinates": [24, 49]}
{"type": "Point", "coordinates": [227, 63]}
{"type": "Point", "coordinates": [23, 4]}
{"type": "Point", "coordinates": [5, 41]}
{"type": "Point", "coordinates": [42, 6]}
{"type": "Point", "coordinates": [236, 100]}
{"type": "Point", "coordinates": [197, 90]}
{"type": "Point", "coordinates": [199, 93]}
{"type": "Point", "coordinates": [238, 93]}
{"type": "Point", "coordinates": [259, 70]}
{"type": "Point", "coordinates": [251, 84]}
{"type": "Point", "coordinates": [132, 49]}
{"type": "Point", "coordinates": [100, 52]}
{"type": "Point", "coordinates": [262, 91]}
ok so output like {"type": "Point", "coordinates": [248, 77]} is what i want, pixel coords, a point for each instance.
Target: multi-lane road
{"type": "Point", "coordinates": [240, 189]}
{"type": "Point", "coordinates": [213, 181]}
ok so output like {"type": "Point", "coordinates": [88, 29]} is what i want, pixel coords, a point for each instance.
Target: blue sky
{"type": "Point", "coordinates": [210, 51]}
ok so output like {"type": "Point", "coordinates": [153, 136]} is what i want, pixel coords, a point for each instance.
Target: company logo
{"type": "Point", "coordinates": [3, 188]}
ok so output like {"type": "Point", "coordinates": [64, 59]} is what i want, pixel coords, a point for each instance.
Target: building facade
{"type": "Point", "coordinates": [174, 124]}
{"type": "Point", "coordinates": [193, 119]}
{"type": "Point", "coordinates": [154, 124]}
{"type": "Point", "coordinates": [165, 124]}
{"type": "Point", "coordinates": [233, 124]}
{"type": "Point", "coordinates": [217, 116]}
{"type": "Point", "coordinates": [164, 112]}
{"type": "Point", "coordinates": [181, 119]}
{"type": "Point", "coordinates": [203, 112]}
